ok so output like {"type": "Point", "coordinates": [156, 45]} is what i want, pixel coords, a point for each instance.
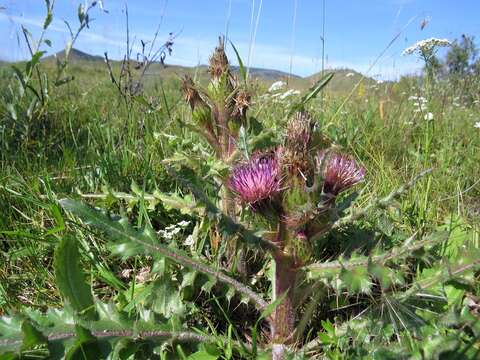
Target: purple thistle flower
{"type": "Point", "coordinates": [339, 171]}
{"type": "Point", "coordinates": [257, 180]}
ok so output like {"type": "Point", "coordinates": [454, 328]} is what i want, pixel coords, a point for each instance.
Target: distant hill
{"type": "Point", "coordinates": [343, 80]}
{"type": "Point", "coordinates": [75, 56]}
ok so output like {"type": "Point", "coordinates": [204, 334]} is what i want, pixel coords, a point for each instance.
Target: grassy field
{"type": "Point", "coordinates": [88, 142]}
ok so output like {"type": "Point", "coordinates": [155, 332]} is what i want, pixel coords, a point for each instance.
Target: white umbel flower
{"type": "Point", "coordinates": [277, 85]}
{"type": "Point", "coordinates": [428, 116]}
{"type": "Point", "coordinates": [289, 93]}
{"type": "Point", "coordinates": [426, 45]}
{"type": "Point", "coordinates": [477, 125]}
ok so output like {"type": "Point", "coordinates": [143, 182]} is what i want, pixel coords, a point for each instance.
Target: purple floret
{"type": "Point", "coordinates": [256, 180]}
{"type": "Point", "coordinates": [340, 172]}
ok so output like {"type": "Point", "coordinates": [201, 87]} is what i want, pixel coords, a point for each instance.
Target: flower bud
{"type": "Point", "coordinates": [241, 104]}
{"type": "Point", "coordinates": [218, 61]}
{"type": "Point", "coordinates": [297, 141]}
{"type": "Point", "coordinates": [192, 97]}
{"type": "Point", "coordinates": [299, 248]}
{"type": "Point", "coordinates": [339, 172]}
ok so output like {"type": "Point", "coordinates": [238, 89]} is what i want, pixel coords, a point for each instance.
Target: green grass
{"type": "Point", "coordinates": [85, 141]}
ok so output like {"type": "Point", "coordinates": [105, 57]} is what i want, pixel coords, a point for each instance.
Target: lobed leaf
{"type": "Point", "coordinates": [146, 242]}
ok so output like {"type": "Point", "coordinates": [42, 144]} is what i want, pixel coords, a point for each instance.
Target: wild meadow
{"type": "Point", "coordinates": [209, 214]}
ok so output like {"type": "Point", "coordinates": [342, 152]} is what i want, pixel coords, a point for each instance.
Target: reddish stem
{"type": "Point", "coordinates": [283, 317]}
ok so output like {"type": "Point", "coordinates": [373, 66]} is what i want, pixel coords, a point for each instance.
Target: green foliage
{"type": "Point", "coordinates": [70, 279]}
{"type": "Point", "coordinates": [140, 285]}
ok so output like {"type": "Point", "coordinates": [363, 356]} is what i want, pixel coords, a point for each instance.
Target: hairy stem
{"type": "Point", "coordinates": [229, 208]}
{"type": "Point", "coordinates": [283, 319]}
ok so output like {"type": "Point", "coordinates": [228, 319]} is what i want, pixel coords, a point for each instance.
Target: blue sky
{"type": "Point", "coordinates": [356, 31]}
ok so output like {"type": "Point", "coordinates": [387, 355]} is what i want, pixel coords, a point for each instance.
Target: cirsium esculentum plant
{"type": "Point", "coordinates": [286, 202]}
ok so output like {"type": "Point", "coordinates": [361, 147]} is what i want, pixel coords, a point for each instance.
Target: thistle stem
{"type": "Point", "coordinates": [229, 208]}
{"type": "Point", "coordinates": [283, 320]}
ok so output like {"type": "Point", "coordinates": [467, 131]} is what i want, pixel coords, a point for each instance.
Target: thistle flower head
{"type": "Point", "coordinates": [191, 94]}
{"type": "Point", "coordinates": [218, 61]}
{"type": "Point", "coordinates": [241, 103]}
{"type": "Point", "coordinates": [256, 181]}
{"type": "Point", "coordinates": [297, 137]}
{"type": "Point", "coordinates": [299, 131]}
{"type": "Point", "coordinates": [339, 171]}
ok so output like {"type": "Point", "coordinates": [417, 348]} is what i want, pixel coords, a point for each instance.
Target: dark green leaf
{"type": "Point", "coordinates": [242, 71]}
{"type": "Point", "coordinates": [71, 279]}
{"type": "Point", "coordinates": [33, 61]}
{"type": "Point", "coordinates": [312, 92]}
{"type": "Point", "coordinates": [86, 346]}
{"type": "Point", "coordinates": [148, 243]}
{"type": "Point", "coordinates": [35, 344]}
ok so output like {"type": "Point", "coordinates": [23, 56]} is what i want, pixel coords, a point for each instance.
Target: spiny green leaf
{"type": "Point", "coordinates": [71, 279]}
{"type": "Point", "coordinates": [35, 344]}
{"type": "Point", "coordinates": [86, 346]}
{"type": "Point", "coordinates": [149, 244]}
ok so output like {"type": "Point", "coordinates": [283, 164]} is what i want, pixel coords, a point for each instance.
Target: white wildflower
{"type": "Point", "coordinates": [289, 93]}
{"type": "Point", "coordinates": [183, 223]}
{"type": "Point", "coordinates": [425, 46]}
{"type": "Point", "coordinates": [412, 98]}
{"type": "Point", "coordinates": [277, 85]}
{"type": "Point", "coordinates": [189, 241]}
{"type": "Point", "coordinates": [350, 74]}
{"type": "Point", "coordinates": [428, 116]}
{"type": "Point", "coordinates": [169, 232]}
{"type": "Point", "coordinates": [477, 125]}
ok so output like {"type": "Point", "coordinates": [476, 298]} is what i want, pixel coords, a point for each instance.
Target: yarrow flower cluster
{"type": "Point", "coordinates": [339, 171]}
{"type": "Point", "coordinates": [256, 180]}
{"type": "Point", "coordinates": [419, 102]}
{"type": "Point", "coordinates": [425, 46]}
{"type": "Point", "coordinates": [277, 85]}
{"type": "Point", "coordinates": [170, 231]}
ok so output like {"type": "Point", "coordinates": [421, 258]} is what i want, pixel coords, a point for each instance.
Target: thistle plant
{"type": "Point", "coordinates": [295, 188]}
{"type": "Point", "coordinates": [219, 110]}
{"type": "Point", "coordinates": [292, 202]}
{"type": "Point", "coordinates": [218, 113]}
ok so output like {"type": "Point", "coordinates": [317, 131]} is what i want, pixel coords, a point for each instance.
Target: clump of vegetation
{"type": "Point", "coordinates": [356, 223]}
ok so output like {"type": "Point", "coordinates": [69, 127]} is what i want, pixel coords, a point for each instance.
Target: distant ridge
{"type": "Point", "coordinates": [75, 56]}
{"type": "Point", "coordinates": [343, 79]}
